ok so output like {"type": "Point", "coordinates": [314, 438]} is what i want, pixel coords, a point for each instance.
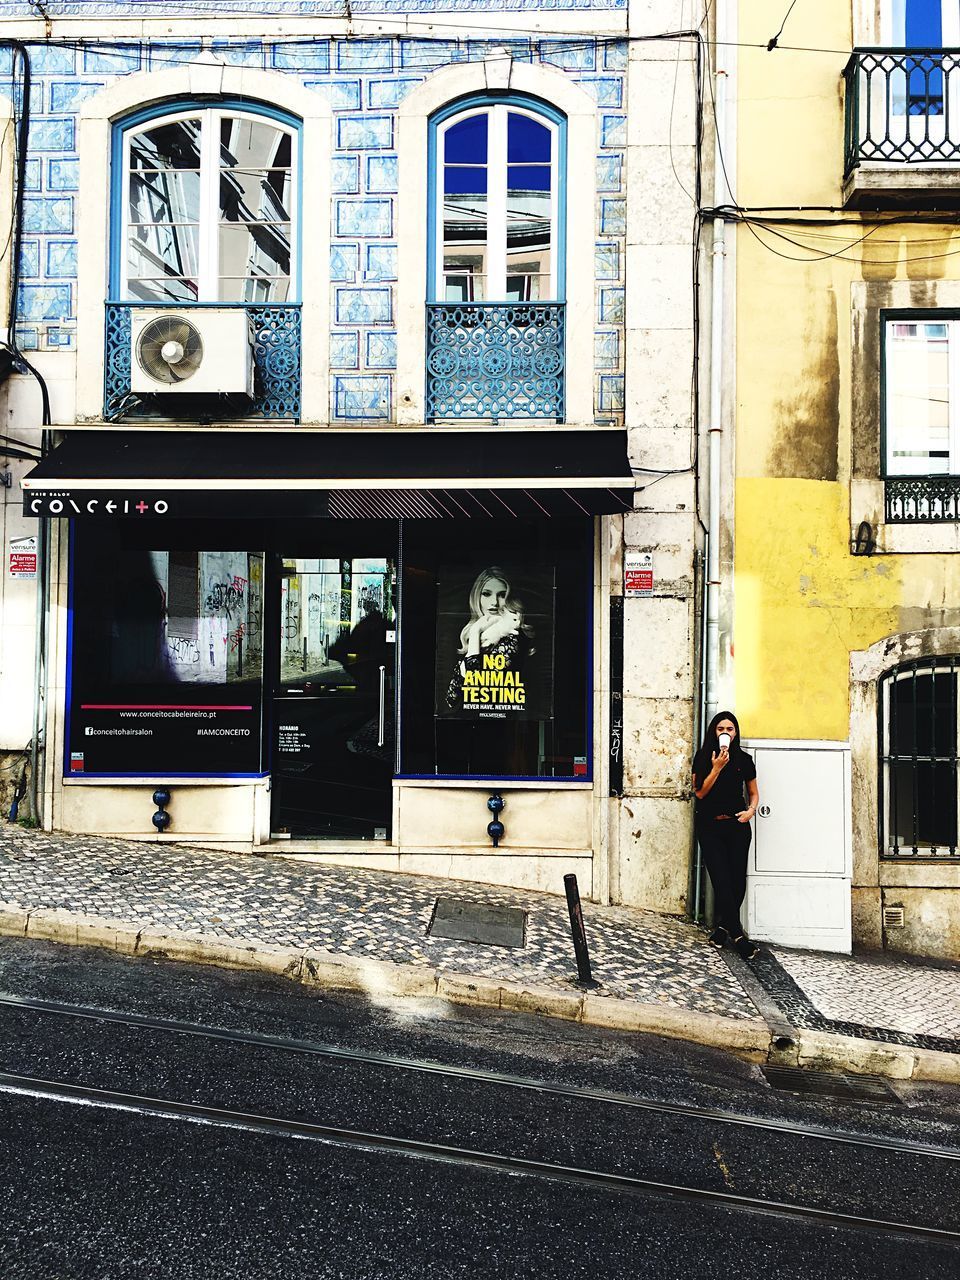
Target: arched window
{"type": "Point", "coordinates": [495, 340]}
{"type": "Point", "coordinates": [496, 209]}
{"type": "Point", "coordinates": [919, 759]}
{"type": "Point", "coordinates": [205, 206]}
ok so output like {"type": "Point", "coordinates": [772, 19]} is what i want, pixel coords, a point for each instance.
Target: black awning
{"type": "Point", "coordinates": [414, 474]}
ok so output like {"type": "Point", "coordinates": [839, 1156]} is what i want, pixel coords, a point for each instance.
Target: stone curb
{"type": "Point", "coordinates": [747, 1037]}
{"type": "Point", "coordinates": [827, 1051]}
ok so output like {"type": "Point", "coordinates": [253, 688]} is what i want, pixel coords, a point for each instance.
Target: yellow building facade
{"type": "Point", "coordinates": [842, 517]}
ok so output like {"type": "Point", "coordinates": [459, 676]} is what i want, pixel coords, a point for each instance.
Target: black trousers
{"type": "Point", "coordinates": [725, 845]}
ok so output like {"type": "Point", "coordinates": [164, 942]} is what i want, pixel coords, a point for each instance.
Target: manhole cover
{"type": "Point", "coordinates": [827, 1084]}
{"type": "Point", "coordinates": [478, 922]}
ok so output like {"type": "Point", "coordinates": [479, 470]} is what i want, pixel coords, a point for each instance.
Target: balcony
{"type": "Point", "coordinates": [922, 499]}
{"type": "Point", "coordinates": [902, 129]}
{"type": "Point", "coordinates": [275, 335]}
{"type": "Point", "coordinates": [491, 361]}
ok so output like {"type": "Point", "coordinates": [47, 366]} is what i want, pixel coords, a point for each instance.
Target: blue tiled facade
{"type": "Point", "coordinates": [291, 8]}
{"type": "Point", "coordinates": [364, 80]}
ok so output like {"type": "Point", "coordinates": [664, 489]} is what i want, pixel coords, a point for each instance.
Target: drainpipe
{"type": "Point", "coordinates": [700, 895]}
{"type": "Point", "coordinates": [38, 739]}
{"type": "Point", "coordinates": [715, 426]}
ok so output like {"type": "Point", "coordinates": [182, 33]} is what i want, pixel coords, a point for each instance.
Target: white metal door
{"type": "Point", "coordinates": [798, 880]}
{"type": "Point", "coordinates": [799, 829]}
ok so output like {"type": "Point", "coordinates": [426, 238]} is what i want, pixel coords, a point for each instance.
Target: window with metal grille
{"type": "Point", "coordinates": [919, 760]}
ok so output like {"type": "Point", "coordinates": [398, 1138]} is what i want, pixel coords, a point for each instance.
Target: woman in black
{"type": "Point", "coordinates": [722, 772]}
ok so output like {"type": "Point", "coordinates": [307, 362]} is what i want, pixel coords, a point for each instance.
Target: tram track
{"type": "Point", "coordinates": [619, 1184]}
{"type": "Point", "coordinates": [261, 1040]}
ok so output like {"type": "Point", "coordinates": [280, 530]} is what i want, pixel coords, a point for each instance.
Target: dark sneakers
{"type": "Point", "coordinates": [720, 937]}
{"type": "Point", "coordinates": [745, 948]}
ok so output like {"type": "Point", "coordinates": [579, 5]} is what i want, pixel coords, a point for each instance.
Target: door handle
{"type": "Point", "coordinates": [383, 686]}
{"type": "Point", "coordinates": [764, 811]}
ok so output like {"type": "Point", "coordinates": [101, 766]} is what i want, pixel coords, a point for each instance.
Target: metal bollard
{"type": "Point", "coordinates": [584, 976]}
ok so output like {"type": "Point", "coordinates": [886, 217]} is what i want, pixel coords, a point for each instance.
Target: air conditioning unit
{"type": "Point", "coordinates": [196, 351]}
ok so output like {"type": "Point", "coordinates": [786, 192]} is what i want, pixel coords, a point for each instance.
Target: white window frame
{"type": "Point", "coordinates": [208, 233]}
{"type": "Point", "coordinates": [953, 390]}
{"type": "Point", "coordinates": [497, 178]}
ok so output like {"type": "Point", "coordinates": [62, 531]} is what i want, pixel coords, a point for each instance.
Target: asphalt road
{"type": "Point", "coordinates": [94, 1186]}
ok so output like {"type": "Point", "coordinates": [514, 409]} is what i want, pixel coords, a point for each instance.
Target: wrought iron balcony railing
{"type": "Point", "coordinates": [921, 499]}
{"type": "Point", "coordinates": [494, 360]}
{"type": "Point", "coordinates": [902, 106]}
{"type": "Point", "coordinates": [276, 363]}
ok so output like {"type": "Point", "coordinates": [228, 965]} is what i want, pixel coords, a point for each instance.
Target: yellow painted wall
{"type": "Point", "coordinates": [802, 601]}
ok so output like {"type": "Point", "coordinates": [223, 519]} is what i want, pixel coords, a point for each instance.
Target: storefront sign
{"type": "Point", "coordinates": [165, 737]}
{"type": "Point", "coordinates": [23, 557]}
{"type": "Point", "coordinates": [292, 739]}
{"type": "Point", "coordinates": [495, 642]}
{"type": "Point", "coordinates": [638, 573]}
{"type": "Point", "coordinates": [63, 503]}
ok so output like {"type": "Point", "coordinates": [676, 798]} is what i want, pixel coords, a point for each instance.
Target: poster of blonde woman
{"type": "Point", "coordinates": [495, 642]}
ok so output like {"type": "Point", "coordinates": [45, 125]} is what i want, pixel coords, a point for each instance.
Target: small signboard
{"type": "Point", "coordinates": [23, 557]}
{"type": "Point", "coordinates": [638, 573]}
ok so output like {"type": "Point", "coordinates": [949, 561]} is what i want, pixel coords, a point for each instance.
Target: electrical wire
{"type": "Point", "coordinates": [510, 35]}
{"type": "Point", "coordinates": [814, 255]}
{"type": "Point", "coordinates": [773, 41]}
{"type": "Point", "coordinates": [6, 440]}
{"type": "Point", "coordinates": [673, 103]}
{"type": "Point", "coordinates": [532, 41]}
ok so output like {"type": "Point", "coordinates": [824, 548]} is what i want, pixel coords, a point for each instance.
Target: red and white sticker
{"type": "Point", "coordinates": [23, 557]}
{"type": "Point", "coordinates": [638, 573]}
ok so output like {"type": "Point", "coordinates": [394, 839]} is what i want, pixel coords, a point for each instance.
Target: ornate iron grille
{"type": "Point", "coordinates": [918, 760]}
{"type": "Point", "coordinates": [897, 106]}
{"type": "Point", "coordinates": [921, 499]}
{"type": "Point", "coordinates": [276, 362]}
{"type": "Point", "coordinates": [495, 360]}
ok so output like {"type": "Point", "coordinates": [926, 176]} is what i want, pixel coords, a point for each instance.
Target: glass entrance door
{"type": "Point", "coordinates": [333, 712]}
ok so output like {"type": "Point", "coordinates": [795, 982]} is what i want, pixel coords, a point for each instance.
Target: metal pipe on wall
{"type": "Point", "coordinates": [715, 424]}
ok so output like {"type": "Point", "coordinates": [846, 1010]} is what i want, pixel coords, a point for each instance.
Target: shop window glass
{"type": "Point", "coordinates": [495, 657]}
{"type": "Point", "coordinates": [166, 658]}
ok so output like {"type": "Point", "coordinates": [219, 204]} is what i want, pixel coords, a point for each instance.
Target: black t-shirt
{"type": "Point", "coordinates": [727, 795]}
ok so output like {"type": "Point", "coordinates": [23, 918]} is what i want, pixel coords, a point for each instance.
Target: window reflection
{"type": "Point", "coordinates": [920, 440]}
{"type": "Point", "coordinates": [497, 208]}
{"type": "Point", "coordinates": [257, 249]}
{"type": "Point", "coordinates": [333, 615]}
{"type": "Point", "coordinates": [465, 210]}
{"type": "Point", "coordinates": [164, 211]}
{"type": "Point", "coordinates": [173, 226]}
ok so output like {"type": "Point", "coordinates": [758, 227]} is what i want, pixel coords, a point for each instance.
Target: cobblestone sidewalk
{"type": "Point", "coordinates": [899, 1000]}
{"type": "Point", "coordinates": [637, 955]}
